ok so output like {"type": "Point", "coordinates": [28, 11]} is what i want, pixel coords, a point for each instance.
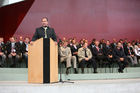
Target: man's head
{"type": "Point", "coordinates": [85, 44]}
{"type": "Point", "coordinates": [108, 42]}
{"type": "Point", "coordinates": [20, 38]}
{"type": "Point", "coordinates": [73, 41]}
{"type": "Point", "coordinates": [1, 39]}
{"type": "Point", "coordinates": [128, 44]}
{"type": "Point", "coordinates": [114, 40]}
{"type": "Point", "coordinates": [44, 21]}
{"type": "Point", "coordinates": [119, 44]}
{"type": "Point", "coordinates": [97, 43]}
{"type": "Point", "coordinates": [12, 39]}
{"type": "Point", "coordinates": [64, 39]}
{"type": "Point", "coordinates": [65, 43]}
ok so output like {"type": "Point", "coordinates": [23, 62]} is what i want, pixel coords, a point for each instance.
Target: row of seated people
{"type": "Point", "coordinates": [14, 51]}
{"type": "Point", "coordinates": [85, 54]}
{"type": "Point", "coordinates": [71, 50]}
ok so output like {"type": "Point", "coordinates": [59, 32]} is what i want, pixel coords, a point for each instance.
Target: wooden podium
{"type": "Point", "coordinates": [43, 61]}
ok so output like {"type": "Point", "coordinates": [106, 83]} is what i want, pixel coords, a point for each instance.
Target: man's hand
{"type": "Point", "coordinates": [31, 43]}
{"type": "Point", "coordinates": [1, 53]}
{"type": "Point", "coordinates": [75, 53]}
{"type": "Point", "coordinates": [13, 54]}
{"type": "Point", "coordinates": [121, 59]}
{"type": "Point", "coordinates": [86, 59]}
{"type": "Point", "coordinates": [110, 56]}
{"type": "Point", "coordinates": [132, 55]}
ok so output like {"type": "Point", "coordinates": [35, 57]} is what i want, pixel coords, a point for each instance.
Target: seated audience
{"type": "Point", "coordinates": [65, 55]}
{"type": "Point", "coordinates": [12, 52]}
{"type": "Point", "coordinates": [137, 52]}
{"type": "Point", "coordinates": [25, 50]}
{"type": "Point", "coordinates": [2, 52]}
{"type": "Point", "coordinates": [114, 43]}
{"type": "Point", "coordinates": [129, 51]}
{"type": "Point", "coordinates": [108, 52]}
{"type": "Point", "coordinates": [85, 58]}
{"type": "Point", "coordinates": [97, 53]}
{"type": "Point", "coordinates": [81, 43]}
{"type": "Point", "coordinates": [92, 44]}
{"type": "Point", "coordinates": [120, 57]}
{"type": "Point", "coordinates": [74, 49]}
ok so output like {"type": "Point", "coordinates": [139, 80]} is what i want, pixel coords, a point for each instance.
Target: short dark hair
{"type": "Point", "coordinates": [45, 18]}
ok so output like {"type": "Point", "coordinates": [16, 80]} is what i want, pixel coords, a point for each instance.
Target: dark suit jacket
{"type": "Point", "coordinates": [119, 53]}
{"type": "Point", "coordinates": [3, 47]}
{"type": "Point", "coordinates": [9, 47]}
{"type": "Point", "coordinates": [107, 50]}
{"type": "Point", "coordinates": [73, 49]}
{"type": "Point", "coordinates": [95, 52]}
{"type": "Point", "coordinates": [40, 33]}
{"type": "Point", "coordinates": [113, 45]}
{"type": "Point", "coordinates": [21, 47]}
{"type": "Point", "coordinates": [129, 49]}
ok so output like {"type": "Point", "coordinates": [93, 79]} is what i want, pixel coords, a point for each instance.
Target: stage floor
{"type": "Point", "coordinates": [83, 86]}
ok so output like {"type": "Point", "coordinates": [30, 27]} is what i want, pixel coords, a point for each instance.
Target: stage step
{"type": "Point", "coordinates": [21, 74]}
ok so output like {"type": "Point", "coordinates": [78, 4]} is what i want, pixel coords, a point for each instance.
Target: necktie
{"type": "Point", "coordinates": [86, 53]}
{"type": "Point", "coordinates": [97, 48]}
{"type": "Point", "coordinates": [45, 30]}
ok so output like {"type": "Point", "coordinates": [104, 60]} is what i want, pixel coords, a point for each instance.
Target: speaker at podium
{"type": "Point", "coordinates": [43, 61]}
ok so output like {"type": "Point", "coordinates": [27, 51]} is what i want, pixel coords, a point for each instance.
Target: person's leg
{"type": "Point", "coordinates": [131, 59]}
{"type": "Point", "coordinates": [3, 58]}
{"type": "Point", "coordinates": [82, 65]}
{"type": "Point", "coordinates": [120, 66]}
{"type": "Point", "coordinates": [135, 60]}
{"type": "Point", "coordinates": [17, 58]}
{"type": "Point", "coordinates": [74, 64]}
{"type": "Point", "coordinates": [0, 61]}
{"type": "Point", "coordinates": [125, 63]}
{"type": "Point", "coordinates": [11, 61]}
{"type": "Point", "coordinates": [68, 61]}
{"type": "Point", "coordinates": [25, 57]}
{"type": "Point", "coordinates": [94, 64]}
{"type": "Point", "coordinates": [68, 64]}
{"type": "Point", "coordinates": [138, 58]}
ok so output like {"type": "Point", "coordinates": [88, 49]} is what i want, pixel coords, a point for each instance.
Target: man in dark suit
{"type": "Point", "coordinates": [129, 51]}
{"type": "Point", "coordinates": [2, 52]}
{"type": "Point", "coordinates": [114, 43]}
{"type": "Point", "coordinates": [97, 52]}
{"type": "Point", "coordinates": [13, 52]}
{"type": "Point", "coordinates": [44, 31]}
{"type": "Point", "coordinates": [120, 57]}
{"type": "Point", "coordinates": [108, 52]}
